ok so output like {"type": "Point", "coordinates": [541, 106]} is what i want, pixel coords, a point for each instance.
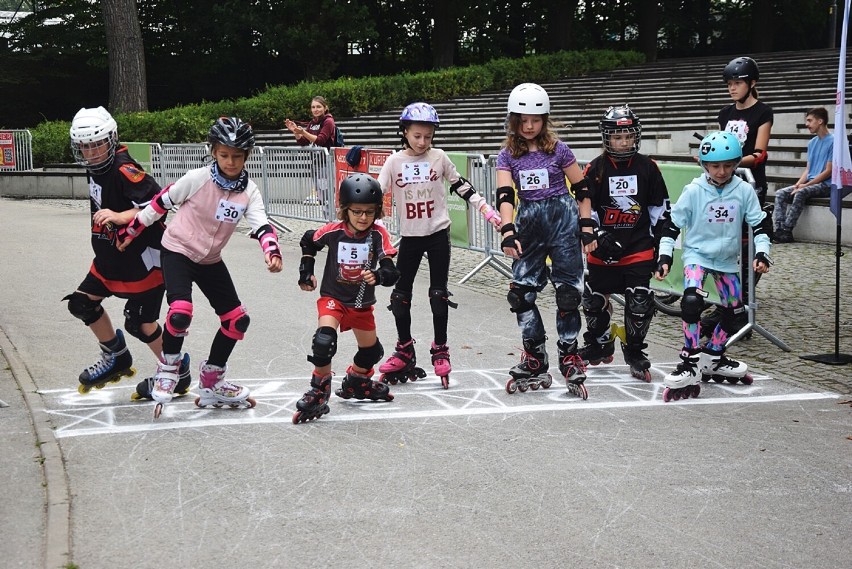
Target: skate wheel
{"type": "Point", "coordinates": [534, 386]}
{"type": "Point", "coordinates": [522, 387]}
{"type": "Point", "coordinates": [198, 403]}
{"type": "Point", "coordinates": [250, 403]}
{"type": "Point", "coordinates": [297, 417]}
{"type": "Point", "coordinates": [695, 390]}
{"type": "Point", "coordinates": [383, 379]}
{"type": "Point", "coordinates": [445, 381]}
{"type": "Point", "coordinates": [218, 405]}
{"type": "Point", "coordinates": [733, 380]}
{"type": "Point", "coordinates": [158, 410]}
{"type": "Point", "coordinates": [83, 389]}
{"type": "Point", "coordinates": [608, 359]}
{"type": "Point", "coordinates": [547, 382]}
{"type": "Point", "coordinates": [388, 397]}
{"type": "Point", "coordinates": [705, 378]}
{"type": "Point", "coordinates": [719, 378]}
{"type": "Point", "coordinates": [747, 379]}
{"type": "Point", "coordinates": [646, 376]}
{"type": "Point", "coordinates": [667, 394]}
{"type": "Point", "coordinates": [676, 393]}
{"type": "Point", "coordinates": [403, 380]}
{"type": "Point", "coordinates": [511, 386]}
{"type": "Point", "coordinates": [583, 392]}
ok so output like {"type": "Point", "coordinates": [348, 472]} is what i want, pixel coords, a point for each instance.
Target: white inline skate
{"type": "Point", "coordinates": [214, 390]}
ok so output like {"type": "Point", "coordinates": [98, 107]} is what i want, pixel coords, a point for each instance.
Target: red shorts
{"type": "Point", "coordinates": [357, 318]}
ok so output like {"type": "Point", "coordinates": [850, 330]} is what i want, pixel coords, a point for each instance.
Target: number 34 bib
{"type": "Point", "coordinates": [722, 212]}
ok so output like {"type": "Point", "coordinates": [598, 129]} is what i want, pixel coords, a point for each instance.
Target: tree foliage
{"type": "Point", "coordinates": [222, 49]}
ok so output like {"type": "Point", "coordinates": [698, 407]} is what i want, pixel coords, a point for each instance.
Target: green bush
{"type": "Point", "coordinates": [346, 96]}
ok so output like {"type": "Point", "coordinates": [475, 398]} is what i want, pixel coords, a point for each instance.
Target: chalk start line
{"type": "Point", "coordinates": [472, 392]}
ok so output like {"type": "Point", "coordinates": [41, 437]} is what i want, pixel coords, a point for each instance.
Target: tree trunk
{"type": "Point", "coordinates": [128, 87]}
{"type": "Point", "coordinates": [649, 21]}
{"type": "Point", "coordinates": [560, 25]}
{"type": "Point", "coordinates": [444, 33]}
{"type": "Point", "coordinates": [761, 34]}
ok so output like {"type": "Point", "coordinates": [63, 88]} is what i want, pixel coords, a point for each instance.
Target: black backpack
{"type": "Point", "coordinates": [338, 137]}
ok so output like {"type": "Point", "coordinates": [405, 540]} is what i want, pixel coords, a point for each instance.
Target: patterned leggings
{"type": "Point", "coordinates": [729, 289]}
{"type": "Point", "coordinates": [786, 215]}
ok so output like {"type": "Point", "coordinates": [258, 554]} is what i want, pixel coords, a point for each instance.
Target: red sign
{"type": "Point", "coordinates": [7, 149]}
{"type": "Point", "coordinates": [371, 163]}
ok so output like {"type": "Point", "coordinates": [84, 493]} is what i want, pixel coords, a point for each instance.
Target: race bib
{"type": "Point", "coordinates": [537, 179]}
{"type": "Point", "coordinates": [738, 128]}
{"type": "Point", "coordinates": [229, 212]}
{"type": "Point", "coordinates": [722, 212]}
{"type": "Point", "coordinates": [352, 258]}
{"type": "Point", "coordinates": [415, 172]}
{"type": "Point", "coordinates": [623, 186]}
{"type": "Point", "coordinates": [95, 192]}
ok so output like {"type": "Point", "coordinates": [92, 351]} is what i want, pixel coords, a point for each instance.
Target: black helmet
{"type": "Point", "coordinates": [360, 188]}
{"type": "Point", "coordinates": [233, 132]}
{"type": "Point", "coordinates": [744, 68]}
{"type": "Point", "coordinates": [620, 119]}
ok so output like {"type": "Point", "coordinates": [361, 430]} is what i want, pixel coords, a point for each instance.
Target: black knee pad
{"type": "Point", "coordinates": [691, 305]}
{"type": "Point", "coordinates": [323, 346]}
{"type": "Point", "coordinates": [568, 298]}
{"type": "Point", "coordinates": [732, 319]}
{"type": "Point", "coordinates": [639, 300]}
{"type": "Point", "coordinates": [134, 328]}
{"type": "Point", "coordinates": [439, 300]}
{"type": "Point", "coordinates": [593, 302]}
{"type": "Point", "coordinates": [82, 307]}
{"type": "Point", "coordinates": [521, 298]}
{"type": "Point", "coordinates": [400, 304]}
{"type": "Point", "coordinates": [366, 358]}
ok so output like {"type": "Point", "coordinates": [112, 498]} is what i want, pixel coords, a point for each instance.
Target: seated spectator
{"type": "Point", "coordinates": [815, 181]}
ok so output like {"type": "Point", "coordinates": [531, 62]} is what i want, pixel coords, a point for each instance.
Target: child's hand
{"type": "Point", "coordinates": [368, 277]}
{"type": "Point", "coordinates": [663, 266]}
{"type": "Point", "coordinates": [761, 263]}
{"type": "Point", "coordinates": [309, 287]}
{"type": "Point", "coordinates": [273, 263]}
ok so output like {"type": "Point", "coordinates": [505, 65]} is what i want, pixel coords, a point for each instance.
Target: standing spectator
{"type": "Point", "coordinates": [319, 131]}
{"type": "Point", "coordinates": [815, 181]}
{"type": "Point", "coordinates": [550, 223]}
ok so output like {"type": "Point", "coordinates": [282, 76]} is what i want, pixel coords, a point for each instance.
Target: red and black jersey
{"type": "Point", "coordinates": [348, 255]}
{"type": "Point", "coordinates": [125, 186]}
{"type": "Point", "coordinates": [628, 198]}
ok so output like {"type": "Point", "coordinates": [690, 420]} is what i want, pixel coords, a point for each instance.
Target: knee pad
{"type": "Point", "coordinates": [84, 308]}
{"type": "Point", "coordinates": [521, 298]}
{"type": "Point", "coordinates": [731, 319]}
{"type": "Point", "coordinates": [593, 302]}
{"type": "Point", "coordinates": [179, 318]}
{"type": "Point", "coordinates": [691, 305]}
{"type": "Point", "coordinates": [400, 304]}
{"type": "Point", "coordinates": [366, 358]}
{"type": "Point", "coordinates": [323, 346]}
{"type": "Point", "coordinates": [597, 310]}
{"type": "Point", "coordinates": [568, 298]}
{"type": "Point", "coordinates": [134, 327]}
{"type": "Point", "coordinates": [639, 300]}
{"type": "Point", "coordinates": [439, 300]}
{"type": "Point", "coordinates": [235, 323]}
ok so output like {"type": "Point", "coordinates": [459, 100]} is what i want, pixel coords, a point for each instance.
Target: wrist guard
{"type": "Point", "coordinates": [508, 227]}
{"type": "Point", "coordinates": [268, 240]}
{"type": "Point", "coordinates": [306, 270]}
{"type": "Point", "coordinates": [762, 257]}
{"type": "Point", "coordinates": [664, 260]}
{"type": "Point", "coordinates": [386, 274]}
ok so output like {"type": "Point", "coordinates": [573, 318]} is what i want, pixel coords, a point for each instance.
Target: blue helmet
{"type": "Point", "coordinates": [719, 146]}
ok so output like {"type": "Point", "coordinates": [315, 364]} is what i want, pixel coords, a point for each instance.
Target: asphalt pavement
{"type": "Point", "coordinates": [753, 476]}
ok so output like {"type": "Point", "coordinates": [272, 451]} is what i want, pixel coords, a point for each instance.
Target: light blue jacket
{"type": "Point", "coordinates": [711, 223]}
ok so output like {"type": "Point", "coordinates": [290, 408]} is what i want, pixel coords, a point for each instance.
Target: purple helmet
{"type": "Point", "coordinates": [419, 112]}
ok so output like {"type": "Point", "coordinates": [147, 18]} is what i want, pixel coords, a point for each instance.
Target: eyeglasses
{"type": "Point", "coordinates": [363, 212]}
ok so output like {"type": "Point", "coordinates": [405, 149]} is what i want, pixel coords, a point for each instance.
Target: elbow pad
{"type": "Point", "coordinates": [764, 227]}
{"type": "Point", "coordinates": [581, 190]}
{"type": "Point", "coordinates": [307, 243]}
{"type": "Point", "coordinates": [505, 194]}
{"type": "Point", "coordinates": [670, 230]}
{"type": "Point", "coordinates": [386, 274]}
{"type": "Point", "coordinates": [463, 188]}
{"type": "Point", "coordinates": [760, 156]}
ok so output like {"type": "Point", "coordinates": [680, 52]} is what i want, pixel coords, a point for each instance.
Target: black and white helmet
{"type": "Point", "coordinates": [94, 139]}
{"type": "Point", "coordinates": [620, 119]}
{"type": "Point", "coordinates": [233, 132]}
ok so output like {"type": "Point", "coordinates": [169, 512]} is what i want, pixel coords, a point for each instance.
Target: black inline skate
{"type": "Point", "coordinates": [401, 366]}
{"type": "Point", "coordinates": [683, 382]}
{"type": "Point", "coordinates": [113, 364]}
{"type": "Point", "coordinates": [358, 386]}
{"type": "Point", "coordinates": [573, 368]}
{"type": "Point", "coordinates": [531, 372]}
{"type": "Point", "coordinates": [637, 360]}
{"type": "Point", "coordinates": [314, 404]}
{"type": "Point", "coordinates": [144, 387]}
{"type": "Point", "coordinates": [595, 353]}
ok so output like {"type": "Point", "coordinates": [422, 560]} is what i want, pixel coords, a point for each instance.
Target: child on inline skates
{"type": "Point", "coordinates": [415, 176]}
{"type": "Point", "coordinates": [118, 188]}
{"type": "Point", "coordinates": [630, 202]}
{"type": "Point", "coordinates": [212, 200]}
{"type": "Point", "coordinates": [712, 210]}
{"type": "Point", "coordinates": [359, 258]}
{"type": "Point", "coordinates": [550, 223]}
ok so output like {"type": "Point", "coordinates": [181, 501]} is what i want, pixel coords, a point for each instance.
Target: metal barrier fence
{"type": "Point", "coordinates": [298, 183]}
{"type": "Point", "coordinates": [16, 150]}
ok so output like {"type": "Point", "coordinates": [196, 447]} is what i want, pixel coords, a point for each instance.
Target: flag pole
{"type": "Point", "coordinates": [841, 184]}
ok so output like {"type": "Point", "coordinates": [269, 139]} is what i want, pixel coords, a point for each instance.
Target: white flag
{"type": "Point", "coordinates": [841, 164]}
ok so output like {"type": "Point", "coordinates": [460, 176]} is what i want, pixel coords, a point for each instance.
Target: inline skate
{"type": "Point", "coordinates": [717, 366]}
{"type": "Point", "coordinates": [144, 387]}
{"type": "Point", "coordinates": [573, 368]}
{"type": "Point", "coordinates": [314, 404]}
{"type": "Point", "coordinates": [112, 365]}
{"type": "Point", "coordinates": [165, 381]}
{"type": "Point", "coordinates": [683, 382]}
{"type": "Point", "coordinates": [531, 372]}
{"type": "Point", "coordinates": [214, 390]}
{"type": "Point", "coordinates": [401, 366]}
{"type": "Point", "coordinates": [595, 353]}
{"type": "Point", "coordinates": [441, 362]}
{"type": "Point", "coordinates": [637, 360]}
{"type": "Point", "coordinates": [362, 387]}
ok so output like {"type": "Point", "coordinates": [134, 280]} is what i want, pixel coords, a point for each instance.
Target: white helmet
{"type": "Point", "coordinates": [89, 127]}
{"type": "Point", "coordinates": [529, 99]}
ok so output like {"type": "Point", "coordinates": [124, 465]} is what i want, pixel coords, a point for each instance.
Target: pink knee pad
{"type": "Point", "coordinates": [235, 323]}
{"type": "Point", "coordinates": [179, 318]}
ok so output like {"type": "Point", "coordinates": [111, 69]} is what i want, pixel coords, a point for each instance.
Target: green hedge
{"type": "Point", "coordinates": [346, 96]}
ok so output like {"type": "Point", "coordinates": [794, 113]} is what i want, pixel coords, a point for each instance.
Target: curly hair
{"type": "Point", "coordinates": [517, 144]}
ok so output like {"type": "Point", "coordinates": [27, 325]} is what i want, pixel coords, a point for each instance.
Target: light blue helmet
{"type": "Point", "coordinates": [720, 147]}
{"type": "Point", "coordinates": [419, 112]}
